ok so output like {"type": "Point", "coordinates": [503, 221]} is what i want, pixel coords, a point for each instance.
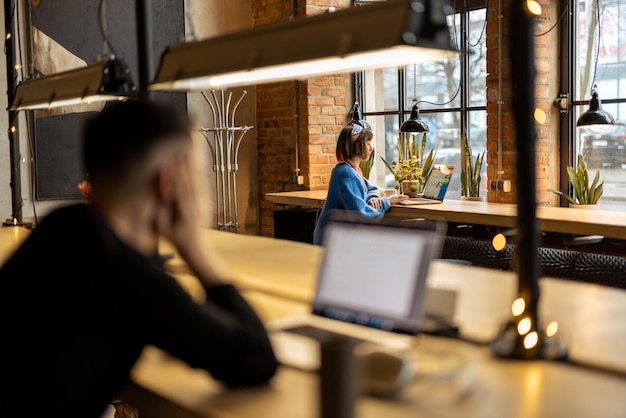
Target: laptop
{"type": "Point", "coordinates": [435, 188]}
{"type": "Point", "coordinates": [371, 288]}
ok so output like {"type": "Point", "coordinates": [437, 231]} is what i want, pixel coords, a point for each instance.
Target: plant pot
{"type": "Point", "coordinates": [410, 187]}
{"type": "Point", "coordinates": [578, 206]}
{"type": "Point", "coordinates": [473, 198]}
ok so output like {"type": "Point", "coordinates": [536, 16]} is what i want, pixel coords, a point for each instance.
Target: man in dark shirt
{"type": "Point", "coordinates": [87, 291]}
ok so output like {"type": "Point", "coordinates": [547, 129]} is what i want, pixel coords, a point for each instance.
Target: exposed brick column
{"type": "Point", "coordinates": [321, 111]}
{"type": "Point", "coordinates": [326, 110]}
{"type": "Point", "coordinates": [546, 62]}
{"type": "Point", "coordinates": [500, 137]}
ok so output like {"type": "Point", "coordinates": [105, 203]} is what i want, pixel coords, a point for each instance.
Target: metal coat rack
{"type": "Point", "coordinates": [224, 145]}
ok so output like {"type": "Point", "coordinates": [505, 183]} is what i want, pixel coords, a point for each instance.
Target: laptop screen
{"type": "Point", "coordinates": [438, 181]}
{"type": "Point", "coordinates": [375, 274]}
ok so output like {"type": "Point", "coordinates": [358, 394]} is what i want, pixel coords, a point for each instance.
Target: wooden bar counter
{"type": "Point", "coordinates": [611, 224]}
{"type": "Point", "coordinates": [455, 378]}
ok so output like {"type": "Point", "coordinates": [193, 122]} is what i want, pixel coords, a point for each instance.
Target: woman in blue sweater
{"type": "Point", "coordinates": [348, 190]}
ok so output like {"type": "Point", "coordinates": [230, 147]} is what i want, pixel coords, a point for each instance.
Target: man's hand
{"type": "Point", "coordinates": [179, 221]}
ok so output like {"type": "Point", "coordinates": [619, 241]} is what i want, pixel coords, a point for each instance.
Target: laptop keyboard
{"type": "Point", "coordinates": [322, 335]}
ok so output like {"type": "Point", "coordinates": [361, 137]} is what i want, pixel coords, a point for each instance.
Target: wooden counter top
{"type": "Point", "coordinates": [587, 314]}
{"type": "Point", "coordinates": [278, 278]}
{"type": "Point", "coordinates": [589, 317]}
{"type": "Point", "coordinates": [611, 224]}
{"type": "Point", "coordinates": [10, 238]}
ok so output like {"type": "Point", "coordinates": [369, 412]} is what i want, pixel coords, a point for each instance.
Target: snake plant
{"type": "Point", "coordinates": [470, 174]}
{"type": "Point", "coordinates": [584, 193]}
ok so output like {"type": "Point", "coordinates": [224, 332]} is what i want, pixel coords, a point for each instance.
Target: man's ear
{"type": "Point", "coordinates": [166, 182]}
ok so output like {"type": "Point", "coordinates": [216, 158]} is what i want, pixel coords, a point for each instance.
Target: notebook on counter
{"type": "Point", "coordinates": [371, 288]}
{"type": "Point", "coordinates": [435, 188]}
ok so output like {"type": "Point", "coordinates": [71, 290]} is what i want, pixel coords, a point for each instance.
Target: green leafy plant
{"type": "Point", "coordinates": [417, 167]}
{"type": "Point", "coordinates": [584, 193]}
{"type": "Point", "coordinates": [470, 174]}
{"type": "Point", "coordinates": [366, 166]}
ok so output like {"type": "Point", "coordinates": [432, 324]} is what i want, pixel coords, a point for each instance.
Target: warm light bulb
{"type": "Point", "coordinates": [518, 306]}
{"type": "Point", "coordinates": [524, 326]}
{"type": "Point", "coordinates": [540, 116]}
{"type": "Point", "coordinates": [533, 7]}
{"type": "Point", "coordinates": [531, 340]}
{"type": "Point", "coordinates": [498, 242]}
{"type": "Point", "coordinates": [13, 129]}
{"type": "Point", "coordinates": [552, 329]}
{"type": "Point", "coordinates": [9, 35]}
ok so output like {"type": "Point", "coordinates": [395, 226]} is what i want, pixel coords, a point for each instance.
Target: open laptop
{"type": "Point", "coordinates": [435, 188]}
{"type": "Point", "coordinates": [371, 288]}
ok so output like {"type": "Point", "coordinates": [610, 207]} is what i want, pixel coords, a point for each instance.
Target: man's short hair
{"type": "Point", "coordinates": [120, 138]}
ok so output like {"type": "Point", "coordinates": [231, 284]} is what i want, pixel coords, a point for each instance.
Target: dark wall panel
{"type": "Point", "coordinates": [74, 25]}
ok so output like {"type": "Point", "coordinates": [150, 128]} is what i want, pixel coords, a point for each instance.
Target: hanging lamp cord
{"type": "Point", "coordinates": [104, 30]}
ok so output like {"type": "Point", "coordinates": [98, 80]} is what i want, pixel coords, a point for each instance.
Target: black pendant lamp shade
{"type": "Point", "coordinates": [414, 123]}
{"type": "Point", "coordinates": [356, 116]}
{"type": "Point", "coordinates": [595, 115]}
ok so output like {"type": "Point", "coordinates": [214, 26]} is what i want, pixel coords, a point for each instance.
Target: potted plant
{"type": "Point", "coordinates": [411, 174]}
{"type": "Point", "coordinates": [585, 194]}
{"type": "Point", "coordinates": [470, 174]}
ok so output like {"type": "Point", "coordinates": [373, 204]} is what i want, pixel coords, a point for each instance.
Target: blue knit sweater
{"type": "Point", "coordinates": [347, 192]}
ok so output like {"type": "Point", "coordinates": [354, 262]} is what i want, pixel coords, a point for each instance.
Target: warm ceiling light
{"type": "Point", "coordinates": [393, 32]}
{"type": "Point", "coordinates": [105, 80]}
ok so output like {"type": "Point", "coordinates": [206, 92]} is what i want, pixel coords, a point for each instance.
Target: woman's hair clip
{"type": "Point", "coordinates": [358, 126]}
{"type": "Point", "coordinates": [356, 129]}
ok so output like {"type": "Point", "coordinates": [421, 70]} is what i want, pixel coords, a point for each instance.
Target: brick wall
{"type": "Point", "coordinates": [288, 138]}
{"type": "Point", "coordinates": [321, 109]}
{"type": "Point", "coordinates": [546, 89]}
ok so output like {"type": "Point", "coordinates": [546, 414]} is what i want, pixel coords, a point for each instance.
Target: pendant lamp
{"type": "Point", "coordinates": [414, 124]}
{"type": "Point", "coordinates": [595, 115]}
{"type": "Point", "coordinates": [103, 81]}
{"type": "Point", "coordinates": [349, 40]}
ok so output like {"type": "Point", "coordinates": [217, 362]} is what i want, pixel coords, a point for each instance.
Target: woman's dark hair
{"type": "Point", "coordinates": [352, 141]}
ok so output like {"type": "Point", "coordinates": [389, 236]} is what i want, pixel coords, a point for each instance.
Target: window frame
{"type": "Point", "coordinates": [464, 108]}
{"type": "Point", "coordinates": [568, 77]}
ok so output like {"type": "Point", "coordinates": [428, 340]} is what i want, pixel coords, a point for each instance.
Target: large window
{"type": "Point", "coordinates": [451, 95]}
{"type": "Point", "coordinates": [599, 50]}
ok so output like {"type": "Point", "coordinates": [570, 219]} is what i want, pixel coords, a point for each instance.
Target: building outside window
{"type": "Point", "coordinates": [451, 95]}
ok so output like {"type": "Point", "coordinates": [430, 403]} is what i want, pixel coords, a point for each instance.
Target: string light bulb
{"type": "Point", "coordinates": [524, 326]}
{"type": "Point", "coordinates": [552, 329]}
{"type": "Point", "coordinates": [518, 306]}
{"type": "Point", "coordinates": [531, 340]}
{"type": "Point", "coordinates": [533, 7]}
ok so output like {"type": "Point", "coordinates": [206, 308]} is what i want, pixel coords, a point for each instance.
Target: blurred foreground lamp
{"type": "Point", "coordinates": [393, 32]}
{"type": "Point", "coordinates": [595, 115]}
{"type": "Point", "coordinates": [106, 80]}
